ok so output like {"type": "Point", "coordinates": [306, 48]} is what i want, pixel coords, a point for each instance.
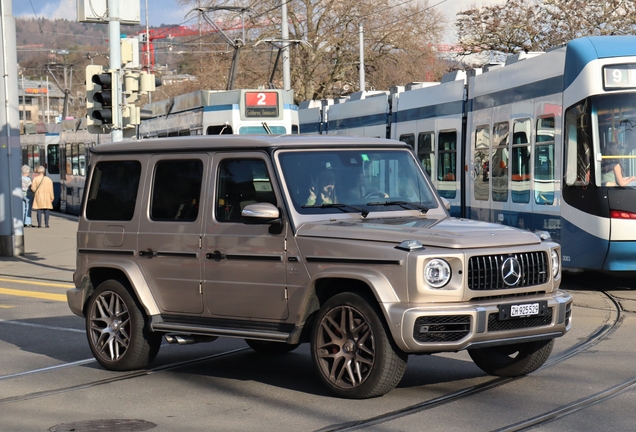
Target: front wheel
{"type": "Point", "coordinates": [512, 360]}
{"type": "Point", "coordinates": [116, 329]}
{"type": "Point", "coordinates": [351, 350]}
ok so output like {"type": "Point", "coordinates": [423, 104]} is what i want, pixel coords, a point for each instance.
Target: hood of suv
{"type": "Point", "coordinates": [447, 232]}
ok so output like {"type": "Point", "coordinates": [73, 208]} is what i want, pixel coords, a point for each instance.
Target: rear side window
{"type": "Point", "coordinates": [113, 191]}
{"type": "Point", "coordinates": [176, 190]}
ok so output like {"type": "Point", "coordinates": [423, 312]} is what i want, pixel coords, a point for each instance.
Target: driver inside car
{"type": "Point", "coordinates": [324, 189]}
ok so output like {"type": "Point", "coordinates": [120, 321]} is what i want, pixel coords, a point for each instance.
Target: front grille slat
{"type": "Point", "coordinates": [485, 271]}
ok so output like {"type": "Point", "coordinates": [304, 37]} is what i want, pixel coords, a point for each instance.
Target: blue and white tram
{"type": "Point", "coordinates": [40, 145]}
{"type": "Point", "coordinates": [208, 112]}
{"type": "Point", "coordinates": [534, 143]}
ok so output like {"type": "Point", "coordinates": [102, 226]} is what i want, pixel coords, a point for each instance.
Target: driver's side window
{"type": "Point", "coordinates": [241, 182]}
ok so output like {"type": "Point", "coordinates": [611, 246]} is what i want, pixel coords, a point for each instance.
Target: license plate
{"type": "Point", "coordinates": [511, 311]}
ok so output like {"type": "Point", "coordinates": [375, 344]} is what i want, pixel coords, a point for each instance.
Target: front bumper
{"type": "Point", "coordinates": [448, 327]}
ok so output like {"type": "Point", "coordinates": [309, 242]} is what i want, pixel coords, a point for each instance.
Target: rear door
{"type": "Point", "coordinates": [170, 231]}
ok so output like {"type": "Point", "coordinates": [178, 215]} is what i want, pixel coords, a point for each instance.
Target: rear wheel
{"type": "Point", "coordinates": [351, 350]}
{"type": "Point", "coordinates": [116, 329]}
{"type": "Point", "coordinates": [512, 360]}
{"type": "Point", "coordinates": [270, 348]}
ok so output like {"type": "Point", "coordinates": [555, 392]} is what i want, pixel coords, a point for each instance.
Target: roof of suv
{"type": "Point", "coordinates": [243, 142]}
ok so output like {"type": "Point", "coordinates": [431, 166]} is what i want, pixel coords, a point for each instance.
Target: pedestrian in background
{"type": "Point", "coordinates": [43, 196]}
{"type": "Point", "coordinates": [27, 196]}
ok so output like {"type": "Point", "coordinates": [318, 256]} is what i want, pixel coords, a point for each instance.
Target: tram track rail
{"type": "Point", "coordinates": [467, 392]}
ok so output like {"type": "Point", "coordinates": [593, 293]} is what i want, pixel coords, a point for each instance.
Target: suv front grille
{"type": "Point", "coordinates": [449, 328]}
{"type": "Point", "coordinates": [485, 272]}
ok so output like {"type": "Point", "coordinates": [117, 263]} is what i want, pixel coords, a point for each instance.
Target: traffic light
{"type": "Point", "coordinates": [91, 105]}
{"type": "Point", "coordinates": [104, 94]}
{"type": "Point", "coordinates": [148, 82]}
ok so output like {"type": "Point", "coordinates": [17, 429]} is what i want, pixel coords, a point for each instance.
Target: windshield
{"type": "Point", "coordinates": [617, 138]}
{"type": "Point", "coordinates": [363, 180]}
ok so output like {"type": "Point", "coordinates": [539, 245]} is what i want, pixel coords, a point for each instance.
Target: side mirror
{"type": "Point", "coordinates": [259, 213]}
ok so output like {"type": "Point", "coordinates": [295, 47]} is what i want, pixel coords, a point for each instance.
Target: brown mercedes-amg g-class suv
{"type": "Point", "coordinates": [339, 242]}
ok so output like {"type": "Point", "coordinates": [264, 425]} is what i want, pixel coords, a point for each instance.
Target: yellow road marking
{"type": "Point", "coordinates": [6, 306]}
{"type": "Point", "coordinates": [33, 294]}
{"type": "Point", "coordinates": [48, 284]}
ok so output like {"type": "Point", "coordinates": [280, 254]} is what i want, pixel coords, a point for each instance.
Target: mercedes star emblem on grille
{"type": "Point", "coordinates": [511, 271]}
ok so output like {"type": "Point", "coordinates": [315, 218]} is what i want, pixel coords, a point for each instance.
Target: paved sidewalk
{"type": "Point", "coordinates": [49, 253]}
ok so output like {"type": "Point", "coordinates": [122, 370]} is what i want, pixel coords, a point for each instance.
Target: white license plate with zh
{"type": "Point", "coordinates": [524, 310]}
{"type": "Point", "coordinates": [512, 311]}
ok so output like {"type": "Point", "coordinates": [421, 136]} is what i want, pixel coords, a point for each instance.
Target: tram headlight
{"type": "Point", "coordinates": [437, 273]}
{"type": "Point", "coordinates": [556, 263]}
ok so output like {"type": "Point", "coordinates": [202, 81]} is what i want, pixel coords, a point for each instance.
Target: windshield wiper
{"type": "Point", "coordinates": [344, 207]}
{"type": "Point", "coordinates": [404, 204]}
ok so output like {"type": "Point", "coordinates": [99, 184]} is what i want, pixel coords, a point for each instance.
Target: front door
{"type": "Point", "coordinates": [170, 231]}
{"type": "Point", "coordinates": [244, 265]}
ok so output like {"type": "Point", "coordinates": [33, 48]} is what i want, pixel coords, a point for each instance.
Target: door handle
{"type": "Point", "coordinates": [148, 253]}
{"type": "Point", "coordinates": [216, 256]}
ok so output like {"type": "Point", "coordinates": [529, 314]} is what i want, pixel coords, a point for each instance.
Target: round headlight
{"type": "Point", "coordinates": [556, 263]}
{"type": "Point", "coordinates": [437, 273]}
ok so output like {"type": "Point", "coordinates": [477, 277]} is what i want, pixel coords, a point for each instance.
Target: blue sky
{"type": "Point", "coordinates": [159, 11]}
{"type": "Point", "coordinates": [168, 12]}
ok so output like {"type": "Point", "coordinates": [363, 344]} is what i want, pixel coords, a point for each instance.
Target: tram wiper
{"type": "Point", "coordinates": [344, 207]}
{"type": "Point", "coordinates": [404, 204]}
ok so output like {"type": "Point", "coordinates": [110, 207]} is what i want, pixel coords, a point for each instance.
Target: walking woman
{"type": "Point", "coordinates": [42, 188]}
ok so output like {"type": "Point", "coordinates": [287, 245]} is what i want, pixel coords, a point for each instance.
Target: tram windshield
{"type": "Point", "coordinates": [616, 116]}
{"type": "Point", "coordinates": [608, 121]}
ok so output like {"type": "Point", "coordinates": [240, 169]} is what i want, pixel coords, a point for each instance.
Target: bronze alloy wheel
{"type": "Point", "coordinates": [109, 326]}
{"type": "Point", "coordinates": [116, 329]}
{"type": "Point", "coordinates": [351, 350]}
{"type": "Point", "coordinates": [346, 348]}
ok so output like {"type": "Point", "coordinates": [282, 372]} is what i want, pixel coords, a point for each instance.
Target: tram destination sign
{"type": "Point", "coordinates": [619, 76]}
{"type": "Point", "coordinates": [261, 104]}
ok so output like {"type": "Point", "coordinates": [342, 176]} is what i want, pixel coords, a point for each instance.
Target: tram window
{"type": "Point", "coordinates": [224, 129]}
{"type": "Point", "coordinates": [53, 159]}
{"type": "Point", "coordinates": [520, 164]}
{"type": "Point", "coordinates": [295, 129]}
{"type": "Point", "coordinates": [482, 162]}
{"type": "Point", "coordinates": [426, 150]}
{"type": "Point", "coordinates": [176, 197]}
{"type": "Point", "coordinates": [113, 191]}
{"type": "Point", "coordinates": [500, 161]}
{"type": "Point", "coordinates": [81, 159]}
{"type": "Point", "coordinates": [408, 139]}
{"type": "Point", "coordinates": [446, 163]}
{"type": "Point", "coordinates": [544, 174]}
{"type": "Point", "coordinates": [544, 162]}
{"type": "Point", "coordinates": [577, 143]}
{"type": "Point", "coordinates": [69, 158]}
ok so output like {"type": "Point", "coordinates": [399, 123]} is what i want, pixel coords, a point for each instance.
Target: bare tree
{"type": "Point", "coordinates": [536, 25]}
{"type": "Point", "coordinates": [398, 43]}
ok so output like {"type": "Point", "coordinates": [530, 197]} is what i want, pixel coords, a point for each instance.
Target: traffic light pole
{"type": "Point", "coordinates": [114, 36]}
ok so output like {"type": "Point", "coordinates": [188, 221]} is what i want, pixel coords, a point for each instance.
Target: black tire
{"type": "Point", "coordinates": [270, 348]}
{"type": "Point", "coordinates": [117, 331]}
{"type": "Point", "coordinates": [512, 360]}
{"type": "Point", "coordinates": [348, 330]}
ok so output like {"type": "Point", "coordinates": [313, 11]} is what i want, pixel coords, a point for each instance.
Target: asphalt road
{"type": "Point", "coordinates": [49, 380]}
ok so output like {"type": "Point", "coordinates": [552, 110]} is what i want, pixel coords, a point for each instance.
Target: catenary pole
{"type": "Point", "coordinates": [285, 50]}
{"type": "Point", "coordinates": [11, 223]}
{"type": "Point", "coordinates": [114, 35]}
